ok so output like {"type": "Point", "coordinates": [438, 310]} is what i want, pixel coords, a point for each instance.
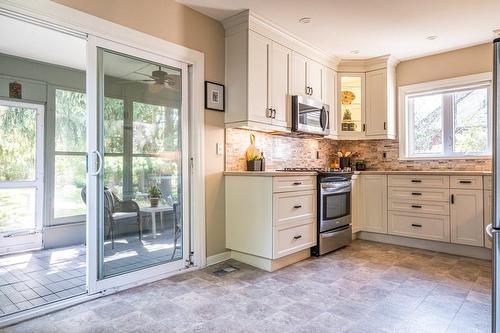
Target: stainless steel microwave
{"type": "Point", "coordinates": [310, 116]}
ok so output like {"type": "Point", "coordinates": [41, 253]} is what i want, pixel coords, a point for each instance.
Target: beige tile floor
{"type": "Point", "coordinates": [366, 287]}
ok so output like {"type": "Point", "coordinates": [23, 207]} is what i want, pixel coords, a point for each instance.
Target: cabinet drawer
{"type": "Point", "coordinates": [294, 183]}
{"type": "Point", "coordinates": [420, 207]}
{"type": "Point", "coordinates": [487, 182]}
{"type": "Point", "coordinates": [291, 240]}
{"type": "Point", "coordinates": [466, 182]}
{"type": "Point", "coordinates": [290, 207]}
{"type": "Point", "coordinates": [430, 194]}
{"type": "Point", "coordinates": [423, 181]}
{"type": "Point", "coordinates": [425, 226]}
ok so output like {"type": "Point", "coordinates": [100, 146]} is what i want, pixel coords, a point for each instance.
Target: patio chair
{"type": "Point", "coordinates": [117, 210]}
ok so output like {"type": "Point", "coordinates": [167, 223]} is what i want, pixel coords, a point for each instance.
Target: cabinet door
{"type": "Point", "coordinates": [299, 77]}
{"type": "Point", "coordinates": [376, 103]}
{"type": "Point", "coordinates": [374, 193]}
{"type": "Point", "coordinates": [351, 108]}
{"type": "Point", "coordinates": [356, 203]}
{"type": "Point", "coordinates": [466, 212]}
{"type": "Point", "coordinates": [258, 80]}
{"type": "Point", "coordinates": [488, 215]}
{"type": "Point", "coordinates": [314, 74]}
{"type": "Point", "coordinates": [280, 78]}
{"type": "Point", "coordinates": [328, 93]}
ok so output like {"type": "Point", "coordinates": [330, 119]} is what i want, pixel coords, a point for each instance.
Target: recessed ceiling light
{"type": "Point", "coordinates": [431, 37]}
{"type": "Point", "coordinates": [305, 20]}
{"type": "Point", "coordinates": [355, 52]}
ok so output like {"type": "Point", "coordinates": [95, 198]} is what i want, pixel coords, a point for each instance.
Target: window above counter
{"type": "Point", "coordinates": [446, 118]}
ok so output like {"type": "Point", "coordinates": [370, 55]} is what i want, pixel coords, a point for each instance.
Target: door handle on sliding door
{"type": "Point", "coordinates": [99, 159]}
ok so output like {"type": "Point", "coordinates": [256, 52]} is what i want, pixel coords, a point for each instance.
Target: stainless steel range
{"type": "Point", "coordinates": [334, 209]}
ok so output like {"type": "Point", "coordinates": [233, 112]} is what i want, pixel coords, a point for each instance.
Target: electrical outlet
{"type": "Point", "coordinates": [384, 155]}
{"type": "Point", "coordinates": [317, 154]}
{"type": "Point", "coordinates": [219, 148]}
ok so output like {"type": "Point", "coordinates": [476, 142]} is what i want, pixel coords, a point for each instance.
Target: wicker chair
{"type": "Point", "coordinates": [116, 210]}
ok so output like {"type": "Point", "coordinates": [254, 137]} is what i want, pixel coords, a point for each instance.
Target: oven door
{"type": "Point", "coordinates": [335, 207]}
{"type": "Point", "coordinates": [309, 116]}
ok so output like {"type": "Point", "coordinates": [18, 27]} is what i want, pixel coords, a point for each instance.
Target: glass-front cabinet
{"type": "Point", "coordinates": [351, 104]}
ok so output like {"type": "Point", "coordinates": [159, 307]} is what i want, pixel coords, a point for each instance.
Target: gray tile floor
{"type": "Point", "coordinates": [366, 287]}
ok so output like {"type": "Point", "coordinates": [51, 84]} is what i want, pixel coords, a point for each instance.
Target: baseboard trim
{"type": "Point", "coordinates": [270, 265]}
{"type": "Point", "coordinates": [456, 249]}
{"type": "Point", "coordinates": [217, 258]}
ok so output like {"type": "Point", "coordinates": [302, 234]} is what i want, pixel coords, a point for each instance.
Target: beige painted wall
{"type": "Point", "coordinates": [176, 23]}
{"type": "Point", "coordinates": [470, 60]}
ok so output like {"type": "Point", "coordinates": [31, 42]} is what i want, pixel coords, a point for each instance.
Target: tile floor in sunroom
{"type": "Point", "coordinates": [365, 287]}
{"type": "Point", "coordinates": [34, 278]}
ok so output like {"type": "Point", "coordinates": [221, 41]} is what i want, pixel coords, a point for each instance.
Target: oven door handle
{"type": "Point", "coordinates": [335, 232]}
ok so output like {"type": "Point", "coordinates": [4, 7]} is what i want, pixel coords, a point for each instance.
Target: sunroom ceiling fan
{"type": "Point", "coordinates": [159, 77]}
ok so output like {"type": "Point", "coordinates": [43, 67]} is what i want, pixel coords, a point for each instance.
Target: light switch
{"type": "Point", "coordinates": [219, 148]}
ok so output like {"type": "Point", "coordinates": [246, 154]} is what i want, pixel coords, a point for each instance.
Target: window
{"type": "Point", "coordinates": [70, 143]}
{"type": "Point", "coordinates": [446, 119]}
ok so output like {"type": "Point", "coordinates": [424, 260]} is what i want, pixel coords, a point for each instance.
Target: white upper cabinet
{"type": "Point", "coordinates": [314, 79]}
{"type": "Point", "coordinates": [307, 77]}
{"type": "Point", "coordinates": [259, 49]}
{"type": "Point", "coordinates": [279, 90]}
{"type": "Point", "coordinates": [367, 99]}
{"type": "Point", "coordinates": [261, 100]}
{"type": "Point", "coordinates": [328, 93]}
{"type": "Point", "coordinates": [264, 67]}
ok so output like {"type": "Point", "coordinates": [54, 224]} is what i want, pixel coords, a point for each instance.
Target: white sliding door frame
{"type": "Point", "coordinates": [95, 133]}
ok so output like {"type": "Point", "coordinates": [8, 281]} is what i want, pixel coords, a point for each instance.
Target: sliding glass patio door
{"type": "Point", "coordinates": [21, 176]}
{"type": "Point", "coordinates": [137, 164]}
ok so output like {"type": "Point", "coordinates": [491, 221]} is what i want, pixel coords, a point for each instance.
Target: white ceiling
{"type": "Point", "coordinates": [26, 40]}
{"type": "Point", "coordinates": [374, 27]}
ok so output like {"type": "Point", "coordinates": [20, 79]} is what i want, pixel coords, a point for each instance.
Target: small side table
{"type": "Point", "coordinates": [153, 211]}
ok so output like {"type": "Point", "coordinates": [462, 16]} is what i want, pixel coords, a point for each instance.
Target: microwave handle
{"type": "Point", "coordinates": [323, 119]}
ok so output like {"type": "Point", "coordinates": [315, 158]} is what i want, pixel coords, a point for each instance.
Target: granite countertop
{"type": "Point", "coordinates": [364, 172]}
{"type": "Point", "coordinates": [426, 172]}
{"type": "Point", "coordinates": [269, 173]}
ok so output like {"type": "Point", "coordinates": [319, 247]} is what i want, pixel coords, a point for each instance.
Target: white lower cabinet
{"type": "Point", "coordinates": [270, 221]}
{"type": "Point", "coordinates": [466, 211]}
{"type": "Point", "coordinates": [488, 215]}
{"type": "Point", "coordinates": [442, 208]}
{"type": "Point", "coordinates": [425, 226]}
{"type": "Point", "coordinates": [374, 203]}
{"type": "Point", "coordinates": [356, 204]}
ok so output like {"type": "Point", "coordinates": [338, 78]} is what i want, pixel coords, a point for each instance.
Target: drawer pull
{"type": "Point", "coordinates": [416, 225]}
{"type": "Point", "coordinates": [416, 206]}
{"type": "Point", "coordinates": [416, 181]}
{"type": "Point", "coordinates": [297, 237]}
{"type": "Point", "coordinates": [416, 193]}
{"type": "Point", "coordinates": [452, 199]}
{"type": "Point", "coordinates": [297, 206]}
{"type": "Point", "coordinates": [297, 183]}
{"type": "Point", "coordinates": [465, 182]}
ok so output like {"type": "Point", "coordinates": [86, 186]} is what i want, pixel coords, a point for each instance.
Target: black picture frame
{"type": "Point", "coordinates": [220, 89]}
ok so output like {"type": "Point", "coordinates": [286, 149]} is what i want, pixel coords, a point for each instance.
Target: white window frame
{"type": "Point", "coordinates": [428, 88]}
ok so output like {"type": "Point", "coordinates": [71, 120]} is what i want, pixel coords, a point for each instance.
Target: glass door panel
{"type": "Point", "coordinates": [21, 175]}
{"type": "Point", "coordinates": [351, 90]}
{"type": "Point", "coordinates": [140, 140]}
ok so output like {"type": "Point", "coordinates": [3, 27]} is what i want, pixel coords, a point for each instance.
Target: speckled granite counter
{"type": "Point", "coordinates": [269, 173]}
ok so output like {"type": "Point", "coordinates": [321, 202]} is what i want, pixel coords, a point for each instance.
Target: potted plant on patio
{"type": "Point", "coordinates": [154, 195]}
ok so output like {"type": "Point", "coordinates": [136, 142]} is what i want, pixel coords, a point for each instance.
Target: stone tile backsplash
{"type": "Point", "coordinates": [287, 151]}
